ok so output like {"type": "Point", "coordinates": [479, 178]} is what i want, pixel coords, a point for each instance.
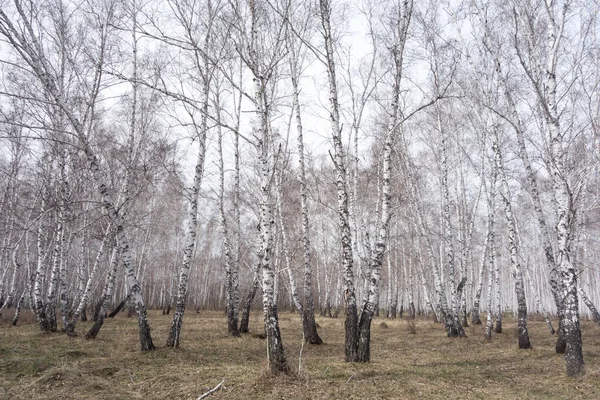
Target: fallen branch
{"type": "Point", "coordinates": [211, 391]}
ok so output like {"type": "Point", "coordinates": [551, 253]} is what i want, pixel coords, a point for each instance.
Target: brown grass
{"type": "Point", "coordinates": [425, 365]}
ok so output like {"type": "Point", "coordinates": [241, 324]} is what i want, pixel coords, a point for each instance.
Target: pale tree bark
{"type": "Point", "coordinates": [275, 351]}
{"type": "Point", "coordinates": [15, 269]}
{"type": "Point", "coordinates": [452, 321]}
{"type": "Point", "coordinates": [538, 302]}
{"type": "Point", "coordinates": [57, 260]}
{"type": "Point", "coordinates": [546, 91]}
{"type": "Point", "coordinates": [107, 293]}
{"type": "Point", "coordinates": [590, 305]}
{"type": "Point", "coordinates": [236, 212]}
{"type": "Point", "coordinates": [351, 321]}
{"type": "Point", "coordinates": [200, 130]}
{"type": "Point", "coordinates": [400, 29]}
{"type": "Point", "coordinates": [230, 281]}
{"type": "Point", "coordinates": [30, 50]}
{"type": "Point", "coordinates": [392, 281]}
{"type": "Point", "coordinates": [262, 54]}
{"type": "Point", "coordinates": [70, 326]}
{"type": "Point", "coordinates": [475, 311]}
{"type": "Point", "coordinates": [492, 263]}
{"type": "Point", "coordinates": [309, 326]}
{"type": "Point", "coordinates": [284, 243]}
{"type": "Point", "coordinates": [38, 302]}
{"type": "Point", "coordinates": [492, 47]}
{"type": "Point", "coordinates": [523, 333]}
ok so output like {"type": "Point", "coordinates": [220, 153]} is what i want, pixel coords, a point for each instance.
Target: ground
{"type": "Point", "coordinates": [421, 365]}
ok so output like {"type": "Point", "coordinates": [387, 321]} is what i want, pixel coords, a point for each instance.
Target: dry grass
{"type": "Point", "coordinates": [424, 365]}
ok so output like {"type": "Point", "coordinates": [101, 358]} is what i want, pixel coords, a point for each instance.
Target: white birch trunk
{"type": "Point", "coordinates": [308, 312]}
{"type": "Point", "coordinates": [492, 269]}
{"type": "Point", "coordinates": [564, 201]}
{"type": "Point", "coordinates": [351, 322]}
{"type": "Point", "coordinates": [40, 271]}
{"type": "Point", "coordinates": [232, 322]}
{"type": "Point", "coordinates": [523, 334]}
{"type": "Point", "coordinates": [194, 194]}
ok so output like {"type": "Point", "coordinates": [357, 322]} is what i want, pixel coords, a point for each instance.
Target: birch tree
{"type": "Point", "coordinates": [20, 32]}
{"type": "Point", "coordinates": [542, 75]}
{"type": "Point", "coordinates": [400, 24]}
{"type": "Point", "coordinates": [338, 156]}
{"type": "Point", "coordinates": [309, 327]}
{"type": "Point", "coordinates": [513, 246]}
{"type": "Point", "coordinates": [263, 37]}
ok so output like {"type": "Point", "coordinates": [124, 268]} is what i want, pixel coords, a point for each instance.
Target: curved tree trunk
{"type": "Point", "coordinates": [70, 326]}
{"type": "Point", "coordinates": [192, 224]}
{"type": "Point", "coordinates": [106, 295]}
{"type": "Point", "coordinates": [244, 322]}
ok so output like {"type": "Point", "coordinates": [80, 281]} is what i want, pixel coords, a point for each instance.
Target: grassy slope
{"type": "Point", "coordinates": [425, 365]}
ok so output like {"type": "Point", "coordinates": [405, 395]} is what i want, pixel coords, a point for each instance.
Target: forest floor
{"type": "Point", "coordinates": [421, 365]}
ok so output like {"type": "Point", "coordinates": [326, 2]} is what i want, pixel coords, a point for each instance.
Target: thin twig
{"type": "Point", "coordinates": [211, 391]}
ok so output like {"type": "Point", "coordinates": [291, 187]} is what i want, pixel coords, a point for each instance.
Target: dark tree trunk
{"type": "Point", "coordinates": [18, 309]}
{"type": "Point", "coordinates": [51, 317]}
{"type": "Point", "coordinates": [93, 332]}
{"type": "Point", "coordinates": [351, 337]}
{"type": "Point", "coordinates": [309, 327]}
{"type": "Point", "coordinates": [98, 308]}
{"type": "Point", "coordinates": [119, 308]}
{"type": "Point", "coordinates": [276, 354]}
{"type": "Point", "coordinates": [498, 323]}
{"type": "Point", "coordinates": [451, 328]}
{"type": "Point", "coordinates": [145, 337]}
{"type": "Point", "coordinates": [411, 310]}
{"type": "Point", "coordinates": [232, 324]}
{"type": "Point", "coordinates": [522, 327]}
{"type": "Point", "coordinates": [174, 332]}
{"type": "Point", "coordinates": [464, 318]}
{"type": "Point", "coordinates": [363, 353]}
{"type": "Point", "coordinates": [246, 311]}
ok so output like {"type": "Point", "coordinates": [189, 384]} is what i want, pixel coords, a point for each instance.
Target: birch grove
{"type": "Point", "coordinates": [201, 155]}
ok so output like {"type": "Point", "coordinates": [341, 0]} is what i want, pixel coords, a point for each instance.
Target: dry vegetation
{"type": "Point", "coordinates": [424, 365]}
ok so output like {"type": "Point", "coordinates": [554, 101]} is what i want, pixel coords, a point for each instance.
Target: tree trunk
{"type": "Point", "coordinates": [18, 308]}
{"type": "Point", "coordinates": [249, 300]}
{"type": "Point", "coordinates": [523, 333]}
{"type": "Point", "coordinates": [230, 275]}
{"type": "Point", "coordinates": [38, 304]}
{"type": "Point", "coordinates": [106, 295]}
{"type": "Point", "coordinates": [79, 311]}
{"type": "Point", "coordinates": [309, 326]}
{"type": "Point", "coordinates": [351, 323]}
{"type": "Point", "coordinates": [192, 226]}
{"type": "Point", "coordinates": [590, 305]}
{"type": "Point", "coordinates": [120, 306]}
